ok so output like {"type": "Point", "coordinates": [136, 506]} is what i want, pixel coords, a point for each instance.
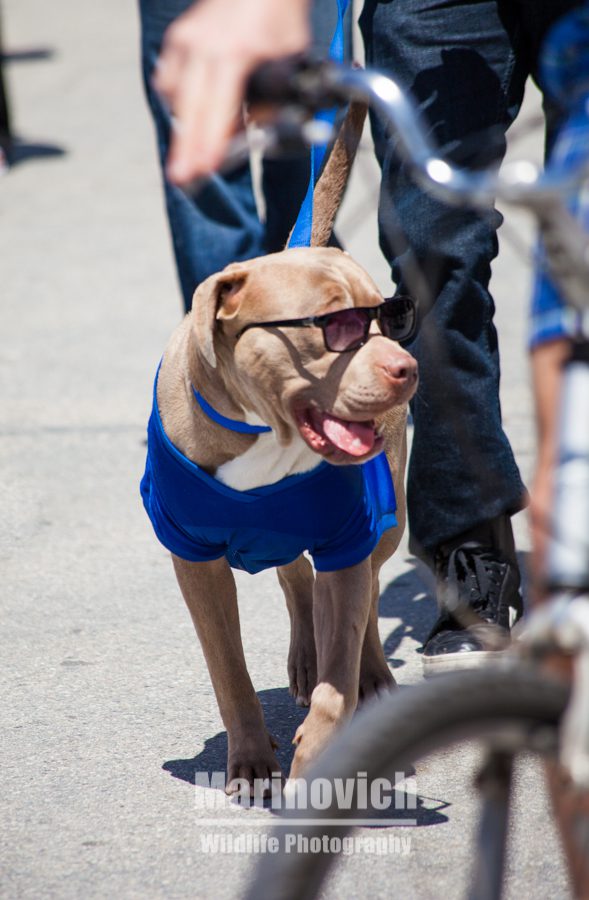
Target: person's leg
{"type": "Point", "coordinates": [465, 64]}
{"type": "Point", "coordinates": [220, 225]}
{"type": "Point", "coordinates": [458, 59]}
{"type": "Point", "coordinates": [458, 62]}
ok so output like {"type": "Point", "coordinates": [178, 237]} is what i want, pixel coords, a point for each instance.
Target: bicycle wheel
{"type": "Point", "coordinates": [516, 705]}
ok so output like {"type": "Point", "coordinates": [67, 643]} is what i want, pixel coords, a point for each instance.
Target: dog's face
{"type": "Point", "coordinates": [286, 375]}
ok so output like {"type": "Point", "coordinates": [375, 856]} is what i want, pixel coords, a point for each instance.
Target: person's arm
{"type": "Point", "coordinates": [547, 361]}
{"type": "Point", "coordinates": [207, 56]}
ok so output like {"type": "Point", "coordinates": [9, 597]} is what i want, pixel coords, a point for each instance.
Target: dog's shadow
{"type": "Point", "coordinates": [406, 598]}
{"type": "Point", "coordinates": [409, 598]}
{"type": "Point", "coordinates": [282, 717]}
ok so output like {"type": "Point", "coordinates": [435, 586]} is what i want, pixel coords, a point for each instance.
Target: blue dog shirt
{"type": "Point", "coordinates": [337, 513]}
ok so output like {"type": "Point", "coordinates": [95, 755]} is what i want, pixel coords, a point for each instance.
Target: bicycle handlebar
{"type": "Point", "coordinates": [301, 86]}
{"type": "Point", "coordinates": [310, 84]}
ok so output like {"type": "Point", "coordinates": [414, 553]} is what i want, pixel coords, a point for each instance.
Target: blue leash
{"type": "Point", "coordinates": [303, 228]}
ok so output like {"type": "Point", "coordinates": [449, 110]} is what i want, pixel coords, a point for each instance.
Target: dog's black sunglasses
{"type": "Point", "coordinates": [347, 329]}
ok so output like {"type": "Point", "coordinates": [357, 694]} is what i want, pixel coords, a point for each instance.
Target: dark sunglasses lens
{"type": "Point", "coordinates": [345, 330]}
{"type": "Point", "coordinates": [398, 318]}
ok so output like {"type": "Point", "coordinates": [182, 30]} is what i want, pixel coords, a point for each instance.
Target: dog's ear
{"type": "Point", "coordinates": [219, 297]}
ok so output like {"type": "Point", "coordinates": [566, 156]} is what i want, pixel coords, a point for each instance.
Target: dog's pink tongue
{"type": "Point", "coordinates": [355, 438]}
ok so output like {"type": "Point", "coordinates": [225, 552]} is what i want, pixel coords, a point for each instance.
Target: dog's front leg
{"type": "Point", "coordinates": [375, 675]}
{"type": "Point", "coordinates": [210, 594]}
{"type": "Point", "coordinates": [341, 608]}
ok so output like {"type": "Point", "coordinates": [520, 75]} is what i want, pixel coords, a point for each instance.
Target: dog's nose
{"type": "Point", "coordinates": [400, 368]}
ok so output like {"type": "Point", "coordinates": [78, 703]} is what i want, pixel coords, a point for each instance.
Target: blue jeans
{"type": "Point", "coordinates": [466, 62]}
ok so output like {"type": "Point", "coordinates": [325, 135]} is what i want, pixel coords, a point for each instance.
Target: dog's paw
{"type": "Point", "coordinates": [252, 761]}
{"type": "Point", "coordinates": [328, 712]}
{"type": "Point", "coordinates": [303, 755]}
{"type": "Point", "coordinates": [309, 742]}
{"type": "Point", "coordinates": [375, 681]}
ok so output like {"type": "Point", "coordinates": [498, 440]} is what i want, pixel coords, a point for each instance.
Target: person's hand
{"type": "Point", "coordinates": [207, 56]}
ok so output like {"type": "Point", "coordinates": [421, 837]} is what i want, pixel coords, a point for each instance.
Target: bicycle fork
{"type": "Point", "coordinates": [494, 785]}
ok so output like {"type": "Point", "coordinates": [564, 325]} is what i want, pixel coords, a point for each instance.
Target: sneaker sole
{"type": "Point", "coordinates": [454, 662]}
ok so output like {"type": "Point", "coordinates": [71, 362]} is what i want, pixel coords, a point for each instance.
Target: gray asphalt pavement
{"type": "Point", "coordinates": [108, 717]}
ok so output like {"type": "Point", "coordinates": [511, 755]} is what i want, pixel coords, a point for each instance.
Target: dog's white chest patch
{"type": "Point", "coordinates": [267, 462]}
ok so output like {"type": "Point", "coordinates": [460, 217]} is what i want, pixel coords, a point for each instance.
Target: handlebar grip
{"type": "Point", "coordinates": [303, 80]}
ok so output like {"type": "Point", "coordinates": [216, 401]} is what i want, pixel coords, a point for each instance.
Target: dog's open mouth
{"type": "Point", "coordinates": [331, 436]}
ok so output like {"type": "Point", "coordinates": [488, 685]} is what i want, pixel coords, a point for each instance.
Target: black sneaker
{"type": "Point", "coordinates": [481, 585]}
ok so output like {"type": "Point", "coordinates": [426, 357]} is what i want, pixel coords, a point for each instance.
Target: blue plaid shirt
{"type": "Point", "coordinates": [565, 76]}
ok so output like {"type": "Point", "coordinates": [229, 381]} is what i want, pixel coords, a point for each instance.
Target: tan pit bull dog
{"type": "Point", "coordinates": [252, 411]}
